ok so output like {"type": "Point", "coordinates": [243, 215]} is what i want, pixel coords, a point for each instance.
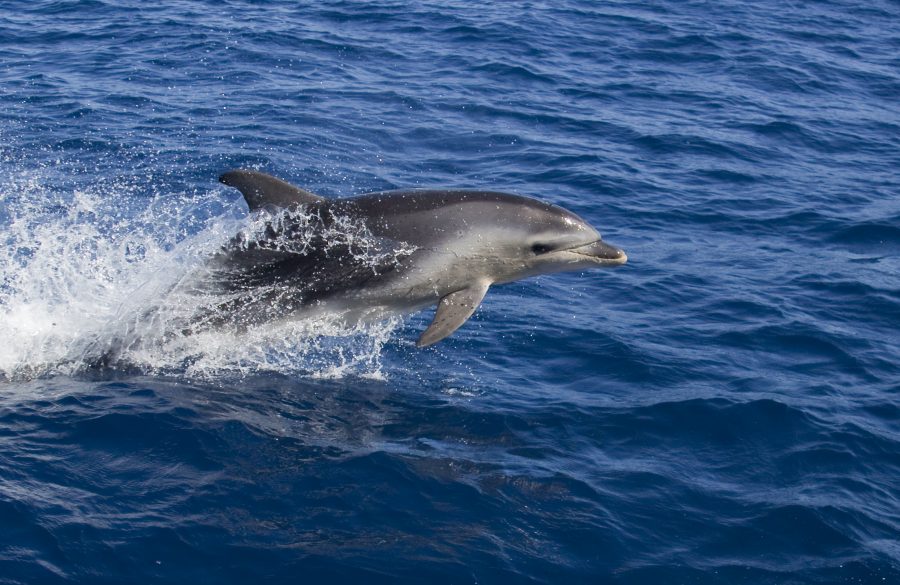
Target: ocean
{"type": "Point", "coordinates": [722, 409]}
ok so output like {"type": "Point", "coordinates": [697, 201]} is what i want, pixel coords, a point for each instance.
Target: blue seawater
{"type": "Point", "coordinates": [723, 409]}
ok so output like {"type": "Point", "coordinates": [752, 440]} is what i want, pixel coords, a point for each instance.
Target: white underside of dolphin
{"type": "Point", "coordinates": [419, 248]}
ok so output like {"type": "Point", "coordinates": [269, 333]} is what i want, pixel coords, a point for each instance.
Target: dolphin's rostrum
{"type": "Point", "coordinates": [394, 252]}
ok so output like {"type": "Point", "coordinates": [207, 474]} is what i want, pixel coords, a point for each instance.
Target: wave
{"type": "Point", "coordinates": [98, 276]}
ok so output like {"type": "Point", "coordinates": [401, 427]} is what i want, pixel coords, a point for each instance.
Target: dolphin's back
{"type": "Point", "coordinates": [418, 200]}
{"type": "Point", "coordinates": [419, 217]}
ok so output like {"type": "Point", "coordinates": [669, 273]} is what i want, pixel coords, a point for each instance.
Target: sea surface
{"type": "Point", "coordinates": [725, 408]}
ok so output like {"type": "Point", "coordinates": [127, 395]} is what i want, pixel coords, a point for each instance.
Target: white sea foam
{"type": "Point", "coordinates": [88, 271]}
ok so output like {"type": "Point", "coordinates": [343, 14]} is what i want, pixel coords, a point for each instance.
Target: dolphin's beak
{"type": "Point", "coordinates": [601, 253]}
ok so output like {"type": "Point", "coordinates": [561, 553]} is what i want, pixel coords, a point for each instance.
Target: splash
{"type": "Point", "coordinates": [92, 271]}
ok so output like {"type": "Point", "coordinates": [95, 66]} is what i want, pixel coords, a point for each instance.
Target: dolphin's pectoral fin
{"type": "Point", "coordinates": [453, 310]}
{"type": "Point", "coordinates": [261, 190]}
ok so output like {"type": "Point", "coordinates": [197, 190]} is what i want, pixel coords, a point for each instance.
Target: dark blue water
{"type": "Point", "coordinates": [722, 409]}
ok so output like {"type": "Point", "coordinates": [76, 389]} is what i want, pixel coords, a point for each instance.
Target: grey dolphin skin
{"type": "Point", "coordinates": [422, 247]}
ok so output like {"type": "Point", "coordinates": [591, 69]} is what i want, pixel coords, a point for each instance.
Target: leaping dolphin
{"type": "Point", "coordinates": [394, 252]}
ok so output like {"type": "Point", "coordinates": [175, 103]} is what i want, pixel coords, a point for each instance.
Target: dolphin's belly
{"type": "Point", "coordinates": [419, 282]}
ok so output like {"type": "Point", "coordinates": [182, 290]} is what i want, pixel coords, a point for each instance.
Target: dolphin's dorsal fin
{"type": "Point", "coordinates": [453, 310]}
{"type": "Point", "coordinates": [261, 190]}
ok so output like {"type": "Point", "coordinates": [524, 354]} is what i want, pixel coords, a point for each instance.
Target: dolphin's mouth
{"type": "Point", "coordinates": [601, 253]}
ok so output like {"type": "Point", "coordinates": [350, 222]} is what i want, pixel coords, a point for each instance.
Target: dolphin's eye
{"type": "Point", "coordinates": [539, 249]}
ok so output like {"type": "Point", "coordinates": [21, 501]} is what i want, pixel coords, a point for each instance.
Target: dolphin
{"type": "Point", "coordinates": [392, 252]}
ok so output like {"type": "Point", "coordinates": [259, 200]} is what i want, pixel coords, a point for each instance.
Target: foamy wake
{"type": "Point", "coordinates": [100, 272]}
